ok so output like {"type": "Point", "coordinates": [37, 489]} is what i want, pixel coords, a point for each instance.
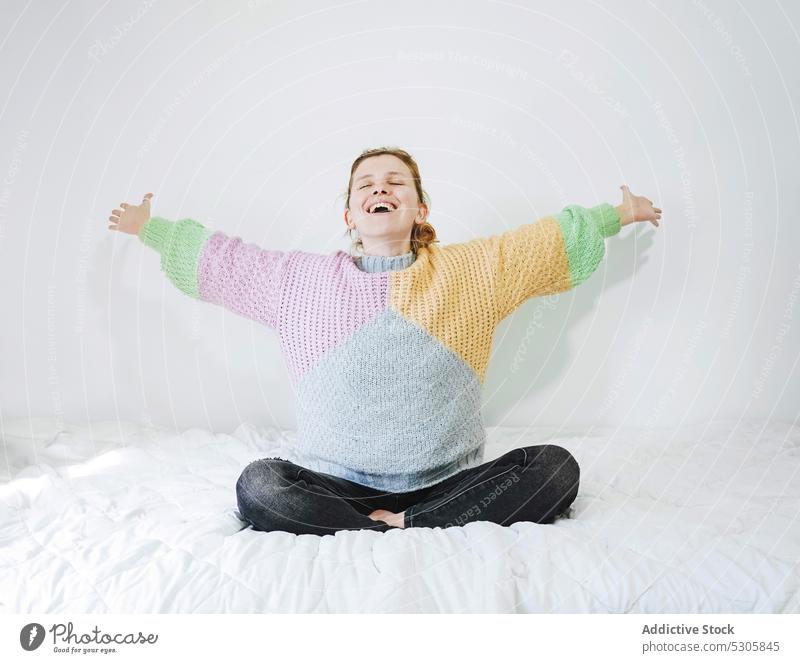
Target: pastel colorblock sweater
{"type": "Point", "coordinates": [387, 366]}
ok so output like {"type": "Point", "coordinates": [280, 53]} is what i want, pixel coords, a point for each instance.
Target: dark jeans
{"type": "Point", "coordinates": [535, 484]}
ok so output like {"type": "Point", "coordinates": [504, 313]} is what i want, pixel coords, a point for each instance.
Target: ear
{"type": "Point", "coordinates": [347, 218]}
{"type": "Point", "coordinates": [422, 215]}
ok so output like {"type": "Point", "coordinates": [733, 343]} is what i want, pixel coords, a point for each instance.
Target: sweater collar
{"type": "Point", "coordinates": [369, 263]}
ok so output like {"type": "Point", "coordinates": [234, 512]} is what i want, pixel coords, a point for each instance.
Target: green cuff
{"type": "Point", "coordinates": [606, 218]}
{"type": "Point", "coordinates": [155, 232]}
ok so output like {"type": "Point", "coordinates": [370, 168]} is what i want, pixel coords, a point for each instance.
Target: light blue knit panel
{"type": "Point", "coordinates": [391, 408]}
{"type": "Point", "coordinates": [370, 263]}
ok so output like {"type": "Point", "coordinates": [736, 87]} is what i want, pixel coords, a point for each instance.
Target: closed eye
{"type": "Point", "coordinates": [394, 183]}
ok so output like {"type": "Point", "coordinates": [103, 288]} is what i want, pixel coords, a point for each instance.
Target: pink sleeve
{"type": "Point", "coordinates": [241, 277]}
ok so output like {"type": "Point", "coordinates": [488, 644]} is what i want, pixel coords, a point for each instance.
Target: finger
{"type": "Point", "coordinates": [116, 212]}
{"type": "Point", "coordinates": [124, 205]}
{"type": "Point", "coordinates": [657, 210]}
{"type": "Point", "coordinates": [113, 219]}
{"type": "Point", "coordinates": [112, 228]}
{"type": "Point", "coordinates": [147, 197]}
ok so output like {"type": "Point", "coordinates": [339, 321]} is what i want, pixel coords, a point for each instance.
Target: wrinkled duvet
{"type": "Point", "coordinates": [116, 517]}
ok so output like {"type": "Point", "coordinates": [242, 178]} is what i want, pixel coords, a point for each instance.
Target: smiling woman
{"type": "Point", "coordinates": [386, 204]}
{"type": "Point", "coordinates": [388, 352]}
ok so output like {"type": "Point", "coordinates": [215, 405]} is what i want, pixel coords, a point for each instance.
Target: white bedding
{"type": "Point", "coordinates": [118, 518]}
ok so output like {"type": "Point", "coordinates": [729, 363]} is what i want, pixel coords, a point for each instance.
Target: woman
{"type": "Point", "coordinates": [387, 351]}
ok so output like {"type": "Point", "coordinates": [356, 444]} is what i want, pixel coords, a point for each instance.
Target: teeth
{"type": "Point", "coordinates": [386, 204]}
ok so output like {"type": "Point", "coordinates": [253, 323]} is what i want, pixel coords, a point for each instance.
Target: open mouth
{"type": "Point", "coordinates": [382, 208]}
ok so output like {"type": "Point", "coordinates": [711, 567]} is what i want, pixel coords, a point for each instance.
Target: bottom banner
{"type": "Point", "coordinates": [388, 638]}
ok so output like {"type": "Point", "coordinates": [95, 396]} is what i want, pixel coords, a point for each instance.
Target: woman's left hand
{"type": "Point", "coordinates": [636, 208]}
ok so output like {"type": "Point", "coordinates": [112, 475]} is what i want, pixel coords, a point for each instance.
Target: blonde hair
{"type": "Point", "coordinates": [422, 234]}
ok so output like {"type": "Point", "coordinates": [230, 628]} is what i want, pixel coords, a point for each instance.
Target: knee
{"type": "Point", "coordinates": [567, 477]}
{"type": "Point", "coordinates": [563, 466]}
{"type": "Point", "coordinates": [256, 484]}
{"type": "Point", "coordinates": [558, 464]}
{"type": "Point", "coordinates": [564, 458]}
{"type": "Point", "coordinates": [262, 471]}
{"type": "Point", "coordinates": [563, 474]}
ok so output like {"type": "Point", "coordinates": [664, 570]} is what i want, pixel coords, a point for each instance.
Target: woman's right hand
{"type": "Point", "coordinates": [131, 218]}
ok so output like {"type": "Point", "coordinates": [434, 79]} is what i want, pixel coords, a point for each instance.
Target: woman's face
{"type": "Point", "coordinates": [384, 178]}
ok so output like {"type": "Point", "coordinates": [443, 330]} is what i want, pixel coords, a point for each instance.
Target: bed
{"type": "Point", "coordinates": [116, 518]}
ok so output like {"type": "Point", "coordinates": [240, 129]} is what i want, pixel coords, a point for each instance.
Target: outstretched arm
{"type": "Point", "coordinates": [209, 265]}
{"type": "Point", "coordinates": [559, 251]}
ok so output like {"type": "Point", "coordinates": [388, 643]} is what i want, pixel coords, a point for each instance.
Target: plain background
{"type": "Point", "coordinates": [247, 117]}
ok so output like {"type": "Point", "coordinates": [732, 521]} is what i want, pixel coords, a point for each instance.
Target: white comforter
{"type": "Point", "coordinates": [118, 518]}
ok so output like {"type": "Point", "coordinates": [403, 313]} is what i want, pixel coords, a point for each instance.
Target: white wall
{"type": "Point", "coordinates": [247, 117]}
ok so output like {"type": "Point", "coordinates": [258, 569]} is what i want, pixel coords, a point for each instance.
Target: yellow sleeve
{"type": "Point", "coordinates": [551, 255]}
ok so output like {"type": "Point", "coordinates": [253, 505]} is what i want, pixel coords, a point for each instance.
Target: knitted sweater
{"type": "Point", "coordinates": [368, 263]}
{"type": "Point", "coordinates": [387, 366]}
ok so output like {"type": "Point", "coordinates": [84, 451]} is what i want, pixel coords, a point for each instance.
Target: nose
{"type": "Point", "coordinates": [378, 189]}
